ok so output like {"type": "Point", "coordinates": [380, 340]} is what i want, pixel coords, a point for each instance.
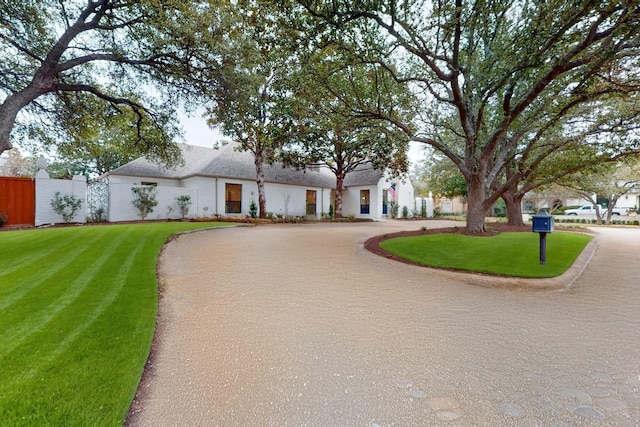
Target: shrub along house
{"type": "Point", "coordinates": [223, 182]}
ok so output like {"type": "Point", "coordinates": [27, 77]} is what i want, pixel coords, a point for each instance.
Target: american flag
{"type": "Point", "coordinates": [392, 192]}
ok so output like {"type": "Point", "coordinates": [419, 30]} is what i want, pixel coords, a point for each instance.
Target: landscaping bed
{"type": "Point", "coordinates": [507, 255]}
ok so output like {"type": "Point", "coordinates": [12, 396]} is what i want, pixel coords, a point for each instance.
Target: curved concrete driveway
{"type": "Point", "coordinates": [299, 325]}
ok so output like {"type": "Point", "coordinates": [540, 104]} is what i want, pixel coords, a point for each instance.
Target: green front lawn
{"type": "Point", "coordinates": [77, 316]}
{"type": "Point", "coordinates": [507, 254]}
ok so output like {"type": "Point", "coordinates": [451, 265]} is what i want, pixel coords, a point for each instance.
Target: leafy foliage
{"type": "Point", "coordinates": [440, 176]}
{"type": "Point", "coordinates": [249, 93]}
{"type": "Point", "coordinates": [394, 207]}
{"type": "Point", "coordinates": [253, 209]}
{"type": "Point", "coordinates": [183, 202]}
{"type": "Point", "coordinates": [611, 181]}
{"type": "Point", "coordinates": [52, 53]}
{"type": "Point", "coordinates": [493, 79]}
{"type": "Point", "coordinates": [66, 205]}
{"type": "Point", "coordinates": [13, 163]}
{"type": "Point", "coordinates": [145, 200]}
{"type": "Point", "coordinates": [330, 130]}
{"type": "Point", "coordinates": [96, 147]}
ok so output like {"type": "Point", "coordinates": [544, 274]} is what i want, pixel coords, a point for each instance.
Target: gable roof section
{"type": "Point", "coordinates": [363, 175]}
{"type": "Point", "coordinates": [224, 162]}
{"type": "Point", "coordinates": [194, 158]}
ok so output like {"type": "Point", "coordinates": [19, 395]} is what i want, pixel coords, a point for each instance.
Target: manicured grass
{"type": "Point", "coordinates": [508, 254]}
{"type": "Point", "coordinates": [77, 316]}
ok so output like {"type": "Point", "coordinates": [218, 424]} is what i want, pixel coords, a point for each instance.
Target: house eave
{"type": "Point", "coordinates": [266, 181]}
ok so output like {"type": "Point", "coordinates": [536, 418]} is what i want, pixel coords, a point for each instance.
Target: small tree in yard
{"type": "Point", "coordinates": [145, 200]}
{"type": "Point", "coordinates": [253, 209]}
{"type": "Point", "coordinates": [66, 206]}
{"type": "Point", "coordinates": [393, 208]}
{"type": "Point", "coordinates": [405, 212]}
{"type": "Point", "coordinates": [184, 202]}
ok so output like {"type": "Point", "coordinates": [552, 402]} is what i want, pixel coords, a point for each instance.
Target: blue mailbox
{"type": "Point", "coordinates": [542, 222]}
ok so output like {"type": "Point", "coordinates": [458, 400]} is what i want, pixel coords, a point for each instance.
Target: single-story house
{"type": "Point", "coordinates": [536, 201]}
{"type": "Point", "coordinates": [222, 181]}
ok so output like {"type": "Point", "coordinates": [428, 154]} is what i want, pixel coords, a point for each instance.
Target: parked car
{"type": "Point", "coordinates": [591, 210]}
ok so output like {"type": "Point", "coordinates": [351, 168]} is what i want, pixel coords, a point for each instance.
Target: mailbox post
{"type": "Point", "coordinates": [542, 223]}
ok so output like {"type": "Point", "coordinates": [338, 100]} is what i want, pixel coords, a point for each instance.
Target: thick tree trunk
{"type": "Point", "coordinates": [600, 215]}
{"type": "Point", "coordinates": [43, 82]}
{"type": "Point", "coordinates": [476, 208]}
{"type": "Point", "coordinates": [7, 120]}
{"type": "Point", "coordinates": [8, 113]}
{"type": "Point", "coordinates": [262, 199]}
{"type": "Point", "coordinates": [609, 211]}
{"type": "Point", "coordinates": [338, 201]}
{"type": "Point", "coordinates": [513, 203]}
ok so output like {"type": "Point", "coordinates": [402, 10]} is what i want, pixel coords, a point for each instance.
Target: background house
{"type": "Point", "coordinates": [453, 206]}
{"type": "Point", "coordinates": [535, 201]}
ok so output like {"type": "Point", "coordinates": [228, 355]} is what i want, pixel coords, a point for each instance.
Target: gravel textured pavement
{"type": "Point", "coordinates": [300, 325]}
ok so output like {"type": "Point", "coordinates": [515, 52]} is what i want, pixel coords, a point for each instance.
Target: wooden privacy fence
{"type": "Point", "coordinates": [18, 200]}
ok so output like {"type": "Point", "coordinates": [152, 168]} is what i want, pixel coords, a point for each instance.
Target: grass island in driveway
{"type": "Point", "coordinates": [77, 315]}
{"type": "Point", "coordinates": [505, 254]}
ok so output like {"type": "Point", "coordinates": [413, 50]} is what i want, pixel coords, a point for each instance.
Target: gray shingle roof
{"type": "Point", "coordinates": [363, 175]}
{"type": "Point", "coordinates": [228, 163]}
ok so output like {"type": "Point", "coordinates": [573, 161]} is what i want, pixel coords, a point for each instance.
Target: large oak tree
{"type": "Point", "coordinates": [250, 95]}
{"type": "Point", "coordinates": [129, 55]}
{"type": "Point", "coordinates": [329, 134]}
{"type": "Point", "coordinates": [497, 68]}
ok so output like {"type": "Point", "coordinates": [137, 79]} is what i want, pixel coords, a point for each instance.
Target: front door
{"type": "Point", "coordinates": [311, 202]}
{"type": "Point", "coordinates": [233, 198]}
{"type": "Point", "coordinates": [364, 202]}
{"type": "Point", "coordinates": [385, 201]}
